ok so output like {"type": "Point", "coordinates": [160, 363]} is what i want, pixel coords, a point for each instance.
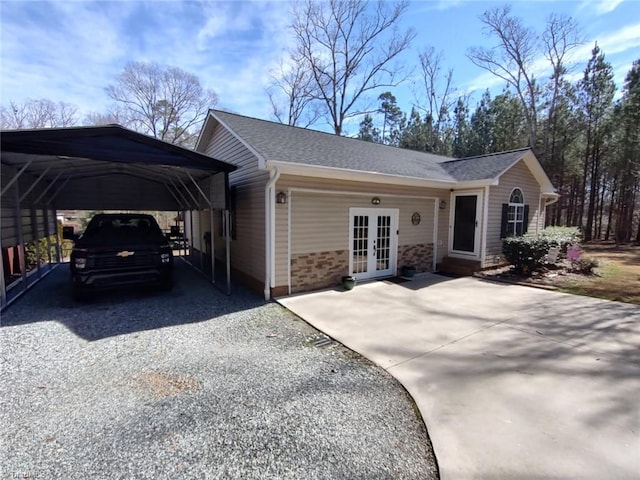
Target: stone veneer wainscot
{"type": "Point", "coordinates": [312, 271]}
{"type": "Point", "coordinates": [419, 256]}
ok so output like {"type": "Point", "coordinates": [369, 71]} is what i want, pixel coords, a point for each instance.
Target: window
{"type": "Point", "coordinates": [515, 215]}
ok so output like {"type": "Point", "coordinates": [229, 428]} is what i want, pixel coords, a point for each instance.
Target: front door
{"type": "Point", "coordinates": [466, 230]}
{"type": "Point", "coordinates": [373, 241]}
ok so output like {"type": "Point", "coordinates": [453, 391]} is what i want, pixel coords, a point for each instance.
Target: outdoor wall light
{"type": "Point", "coordinates": [281, 198]}
{"type": "Point", "coordinates": [375, 201]}
{"type": "Point", "coordinates": [443, 204]}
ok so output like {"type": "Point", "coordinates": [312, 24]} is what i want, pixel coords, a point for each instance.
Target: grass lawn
{"type": "Point", "coordinates": [618, 276]}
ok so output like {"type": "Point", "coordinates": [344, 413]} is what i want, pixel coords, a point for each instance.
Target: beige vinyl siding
{"type": "Point", "coordinates": [320, 220]}
{"type": "Point", "coordinates": [247, 249]}
{"type": "Point", "coordinates": [517, 176]}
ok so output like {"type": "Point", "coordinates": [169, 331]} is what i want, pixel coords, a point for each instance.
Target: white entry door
{"type": "Point", "coordinates": [373, 241]}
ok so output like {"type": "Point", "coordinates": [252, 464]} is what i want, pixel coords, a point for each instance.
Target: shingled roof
{"type": "Point", "coordinates": [482, 167]}
{"type": "Point", "coordinates": [283, 143]}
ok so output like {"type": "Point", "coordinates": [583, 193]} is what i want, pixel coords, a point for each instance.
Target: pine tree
{"type": "Point", "coordinates": [368, 131]}
{"type": "Point", "coordinates": [596, 96]}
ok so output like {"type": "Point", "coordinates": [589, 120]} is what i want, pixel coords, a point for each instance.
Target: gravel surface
{"type": "Point", "coordinates": [192, 384]}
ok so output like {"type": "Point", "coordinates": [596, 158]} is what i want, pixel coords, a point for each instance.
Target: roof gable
{"type": "Point", "coordinates": [482, 167]}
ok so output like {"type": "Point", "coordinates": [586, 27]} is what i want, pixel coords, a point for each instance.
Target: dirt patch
{"type": "Point", "coordinates": [162, 385]}
{"type": "Point", "coordinates": [551, 278]}
{"type": "Point", "coordinates": [617, 276]}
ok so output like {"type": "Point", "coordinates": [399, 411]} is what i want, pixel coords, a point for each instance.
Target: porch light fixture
{"type": "Point", "coordinates": [281, 198]}
{"type": "Point", "coordinates": [443, 204]}
{"type": "Point", "coordinates": [375, 201]}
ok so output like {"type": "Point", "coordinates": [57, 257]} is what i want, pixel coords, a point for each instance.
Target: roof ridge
{"type": "Point", "coordinates": [474, 157]}
{"type": "Point", "coordinates": [444, 157]}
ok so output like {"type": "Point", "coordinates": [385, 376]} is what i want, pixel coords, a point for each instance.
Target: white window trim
{"type": "Point", "coordinates": [512, 225]}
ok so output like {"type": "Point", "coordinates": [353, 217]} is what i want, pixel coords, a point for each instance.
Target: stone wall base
{"type": "Point", "coordinates": [419, 256]}
{"type": "Point", "coordinates": [312, 271]}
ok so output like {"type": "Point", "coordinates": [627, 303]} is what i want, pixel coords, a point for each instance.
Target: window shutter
{"type": "Point", "coordinates": [525, 223]}
{"type": "Point", "coordinates": [503, 223]}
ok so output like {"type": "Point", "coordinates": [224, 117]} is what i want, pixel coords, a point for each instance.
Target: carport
{"type": "Point", "coordinates": [100, 168]}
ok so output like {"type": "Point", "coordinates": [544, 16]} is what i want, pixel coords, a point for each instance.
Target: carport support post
{"type": "Point", "coordinates": [202, 245]}
{"type": "Point", "coordinates": [191, 235]}
{"type": "Point", "coordinates": [3, 285]}
{"type": "Point", "coordinates": [59, 258]}
{"type": "Point", "coordinates": [227, 221]}
{"type": "Point", "coordinates": [47, 233]}
{"type": "Point", "coordinates": [213, 253]}
{"type": "Point", "coordinates": [23, 263]}
{"type": "Point", "coordinates": [36, 237]}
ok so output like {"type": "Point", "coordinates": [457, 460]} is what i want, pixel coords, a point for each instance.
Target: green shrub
{"type": "Point", "coordinates": [561, 237]}
{"type": "Point", "coordinates": [585, 265]}
{"type": "Point", "coordinates": [525, 253]}
{"type": "Point", "coordinates": [31, 252]}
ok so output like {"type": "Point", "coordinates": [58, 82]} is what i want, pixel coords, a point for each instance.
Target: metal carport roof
{"type": "Point", "coordinates": [96, 168]}
{"type": "Point", "coordinates": [80, 164]}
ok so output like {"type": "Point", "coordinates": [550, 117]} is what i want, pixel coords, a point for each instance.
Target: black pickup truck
{"type": "Point", "coordinates": [120, 249]}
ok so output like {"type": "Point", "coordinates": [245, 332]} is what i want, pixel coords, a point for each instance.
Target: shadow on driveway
{"type": "Point", "coordinates": [122, 311]}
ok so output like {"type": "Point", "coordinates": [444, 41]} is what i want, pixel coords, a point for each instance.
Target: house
{"type": "Point", "coordinates": [309, 207]}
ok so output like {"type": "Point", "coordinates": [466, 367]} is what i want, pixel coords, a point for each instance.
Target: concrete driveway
{"type": "Point", "coordinates": [513, 382]}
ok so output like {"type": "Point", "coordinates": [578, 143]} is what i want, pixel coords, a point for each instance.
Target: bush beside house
{"type": "Point", "coordinates": [527, 253]}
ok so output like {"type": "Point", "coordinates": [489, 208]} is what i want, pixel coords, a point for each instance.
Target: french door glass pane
{"type": "Point", "coordinates": [360, 243]}
{"type": "Point", "coordinates": [383, 247]}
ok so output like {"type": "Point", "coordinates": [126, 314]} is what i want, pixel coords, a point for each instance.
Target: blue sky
{"type": "Point", "coordinates": [70, 51]}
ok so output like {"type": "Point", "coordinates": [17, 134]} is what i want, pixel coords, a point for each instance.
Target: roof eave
{"type": "Point", "coordinates": [486, 182]}
{"type": "Point", "coordinates": [334, 173]}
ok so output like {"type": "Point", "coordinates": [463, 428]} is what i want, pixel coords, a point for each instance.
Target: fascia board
{"type": "Point", "coordinates": [355, 175]}
{"type": "Point", "coordinates": [477, 184]}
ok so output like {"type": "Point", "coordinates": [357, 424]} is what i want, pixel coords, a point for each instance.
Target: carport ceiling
{"type": "Point", "coordinates": [110, 161]}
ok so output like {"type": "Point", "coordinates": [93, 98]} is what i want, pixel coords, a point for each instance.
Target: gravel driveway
{"type": "Point", "coordinates": [192, 384]}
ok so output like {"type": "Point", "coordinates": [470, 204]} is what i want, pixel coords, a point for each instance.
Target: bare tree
{"type": "Point", "coordinates": [292, 93]}
{"type": "Point", "coordinates": [435, 96]}
{"type": "Point", "coordinates": [165, 102]}
{"type": "Point", "coordinates": [559, 38]}
{"type": "Point", "coordinates": [349, 47]}
{"type": "Point", "coordinates": [41, 113]}
{"type": "Point", "coordinates": [511, 59]}
{"type": "Point", "coordinates": [97, 118]}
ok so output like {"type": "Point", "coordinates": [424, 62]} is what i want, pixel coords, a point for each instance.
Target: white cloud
{"type": "Point", "coordinates": [601, 6]}
{"type": "Point", "coordinates": [58, 51]}
{"type": "Point", "coordinates": [73, 50]}
{"type": "Point", "coordinates": [622, 40]}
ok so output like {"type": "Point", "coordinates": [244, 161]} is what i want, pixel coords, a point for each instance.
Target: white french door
{"type": "Point", "coordinates": [373, 241]}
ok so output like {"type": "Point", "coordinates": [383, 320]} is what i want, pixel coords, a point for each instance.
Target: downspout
{"type": "Point", "coordinates": [547, 201]}
{"type": "Point", "coordinates": [269, 230]}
